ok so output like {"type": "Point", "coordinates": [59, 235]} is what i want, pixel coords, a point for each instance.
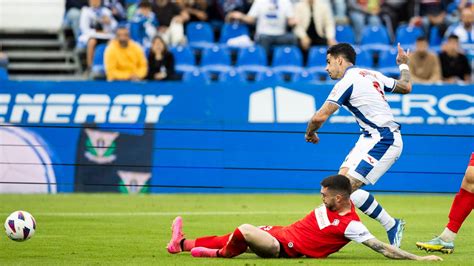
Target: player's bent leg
{"type": "Point", "coordinates": [260, 242]}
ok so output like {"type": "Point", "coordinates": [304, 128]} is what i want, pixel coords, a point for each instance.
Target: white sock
{"type": "Point", "coordinates": [447, 235]}
{"type": "Point", "coordinates": [367, 204]}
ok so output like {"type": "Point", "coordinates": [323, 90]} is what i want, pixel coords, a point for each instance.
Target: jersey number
{"type": "Point", "coordinates": [377, 87]}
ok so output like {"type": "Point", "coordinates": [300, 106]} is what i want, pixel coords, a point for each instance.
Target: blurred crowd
{"type": "Point", "coordinates": [140, 33]}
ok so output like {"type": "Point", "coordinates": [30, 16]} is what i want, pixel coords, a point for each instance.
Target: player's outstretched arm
{"type": "Point", "coordinates": [318, 120]}
{"type": "Point", "coordinates": [394, 252]}
{"type": "Point", "coordinates": [403, 85]}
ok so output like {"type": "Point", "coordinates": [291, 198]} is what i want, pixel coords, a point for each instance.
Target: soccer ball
{"type": "Point", "coordinates": [20, 226]}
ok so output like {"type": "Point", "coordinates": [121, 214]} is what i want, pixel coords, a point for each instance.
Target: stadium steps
{"type": "Point", "coordinates": [40, 56]}
{"type": "Point", "coordinates": [30, 43]}
{"type": "Point", "coordinates": [50, 77]}
{"type": "Point", "coordinates": [34, 55]}
{"type": "Point", "coordinates": [42, 66]}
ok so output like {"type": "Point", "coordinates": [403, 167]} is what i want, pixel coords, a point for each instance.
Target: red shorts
{"type": "Point", "coordinates": [286, 246]}
{"type": "Point", "coordinates": [471, 162]}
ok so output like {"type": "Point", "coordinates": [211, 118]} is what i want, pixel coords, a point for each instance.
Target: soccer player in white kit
{"type": "Point", "coordinates": [362, 92]}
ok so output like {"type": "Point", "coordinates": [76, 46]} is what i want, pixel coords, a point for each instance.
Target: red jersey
{"type": "Point", "coordinates": [321, 233]}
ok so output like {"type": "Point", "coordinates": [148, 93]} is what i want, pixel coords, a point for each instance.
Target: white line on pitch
{"type": "Point", "coordinates": [187, 213]}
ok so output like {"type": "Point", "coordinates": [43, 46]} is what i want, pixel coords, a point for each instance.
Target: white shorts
{"type": "Point", "coordinates": [373, 155]}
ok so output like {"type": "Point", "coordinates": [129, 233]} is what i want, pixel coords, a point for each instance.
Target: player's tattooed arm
{"type": "Point", "coordinates": [318, 120]}
{"type": "Point", "coordinates": [403, 85]}
{"type": "Point", "coordinates": [394, 252]}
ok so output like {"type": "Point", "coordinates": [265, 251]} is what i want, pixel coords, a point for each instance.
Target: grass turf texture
{"type": "Point", "coordinates": [119, 229]}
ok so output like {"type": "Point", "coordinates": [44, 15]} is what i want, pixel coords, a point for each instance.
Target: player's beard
{"type": "Point", "coordinates": [331, 205]}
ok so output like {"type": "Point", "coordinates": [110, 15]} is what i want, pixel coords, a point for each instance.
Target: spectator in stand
{"type": "Point", "coordinates": [144, 24]}
{"type": "Point", "coordinates": [315, 23]}
{"type": "Point", "coordinates": [339, 9]}
{"type": "Point", "coordinates": [160, 61]}
{"type": "Point", "coordinates": [454, 64]}
{"type": "Point", "coordinates": [219, 9]}
{"type": "Point", "coordinates": [117, 8]}
{"type": "Point", "coordinates": [363, 12]}
{"type": "Point", "coordinates": [272, 19]}
{"type": "Point", "coordinates": [73, 14]}
{"type": "Point", "coordinates": [434, 24]}
{"type": "Point", "coordinates": [171, 19]}
{"type": "Point", "coordinates": [124, 59]}
{"type": "Point", "coordinates": [395, 12]}
{"type": "Point", "coordinates": [196, 9]}
{"type": "Point", "coordinates": [97, 25]}
{"type": "Point", "coordinates": [464, 29]}
{"type": "Point", "coordinates": [424, 65]}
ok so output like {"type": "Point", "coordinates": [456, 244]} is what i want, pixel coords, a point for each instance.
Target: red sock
{"type": "Point", "coordinates": [462, 205]}
{"type": "Point", "coordinates": [236, 245]}
{"type": "Point", "coordinates": [215, 242]}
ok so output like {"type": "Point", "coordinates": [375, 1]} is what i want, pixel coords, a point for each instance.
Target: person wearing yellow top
{"type": "Point", "coordinates": [124, 59]}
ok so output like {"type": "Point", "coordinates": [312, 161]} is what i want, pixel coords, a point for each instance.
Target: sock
{"type": "Point", "coordinates": [236, 245]}
{"type": "Point", "coordinates": [187, 245]}
{"type": "Point", "coordinates": [367, 204]}
{"type": "Point", "coordinates": [462, 205]}
{"type": "Point", "coordinates": [448, 235]}
{"type": "Point", "coordinates": [214, 242]}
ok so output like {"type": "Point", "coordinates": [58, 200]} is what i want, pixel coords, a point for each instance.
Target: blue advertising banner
{"type": "Point", "coordinates": [223, 137]}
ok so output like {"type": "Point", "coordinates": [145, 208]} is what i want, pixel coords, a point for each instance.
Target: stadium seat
{"type": "Point", "coordinates": [375, 38]}
{"type": "Point", "coordinates": [196, 77]}
{"type": "Point", "coordinates": [184, 59]}
{"type": "Point", "coordinates": [305, 76]}
{"type": "Point", "coordinates": [233, 76]}
{"type": "Point", "coordinates": [98, 69]}
{"type": "Point", "coordinates": [3, 73]}
{"type": "Point", "coordinates": [252, 59]}
{"type": "Point", "coordinates": [345, 33]}
{"type": "Point", "coordinates": [387, 64]}
{"type": "Point", "coordinates": [317, 60]}
{"type": "Point", "coordinates": [232, 30]}
{"type": "Point", "coordinates": [364, 58]}
{"type": "Point", "coordinates": [268, 76]}
{"type": "Point", "coordinates": [287, 59]}
{"type": "Point", "coordinates": [407, 35]}
{"type": "Point", "coordinates": [216, 59]}
{"type": "Point", "coordinates": [200, 35]}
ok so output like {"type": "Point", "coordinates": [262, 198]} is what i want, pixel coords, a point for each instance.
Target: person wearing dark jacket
{"type": "Point", "coordinates": [160, 61]}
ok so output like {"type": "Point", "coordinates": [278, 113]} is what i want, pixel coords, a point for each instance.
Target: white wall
{"type": "Point", "coordinates": [34, 15]}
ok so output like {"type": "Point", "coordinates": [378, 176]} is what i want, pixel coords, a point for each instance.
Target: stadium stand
{"type": "Point", "coordinates": [35, 42]}
{"type": "Point", "coordinates": [216, 59]}
{"type": "Point", "coordinates": [98, 69]}
{"type": "Point", "coordinates": [200, 35]}
{"type": "Point", "coordinates": [252, 59]}
{"type": "Point", "coordinates": [233, 76]}
{"type": "Point", "coordinates": [232, 30]}
{"type": "Point", "coordinates": [287, 60]}
{"type": "Point", "coordinates": [184, 59]}
{"type": "Point", "coordinates": [196, 77]}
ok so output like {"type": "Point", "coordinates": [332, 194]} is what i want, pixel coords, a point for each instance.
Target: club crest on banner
{"type": "Point", "coordinates": [133, 182]}
{"type": "Point", "coordinates": [101, 146]}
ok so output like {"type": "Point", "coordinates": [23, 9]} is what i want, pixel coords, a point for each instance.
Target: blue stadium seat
{"type": "Point", "coordinates": [317, 60]}
{"type": "Point", "coordinates": [305, 76]}
{"type": "Point", "coordinates": [435, 38]}
{"type": "Point", "coordinates": [407, 35]}
{"type": "Point", "coordinates": [375, 38]}
{"type": "Point", "coordinates": [387, 64]}
{"type": "Point", "coordinates": [200, 35]}
{"type": "Point", "coordinates": [252, 59]}
{"type": "Point", "coordinates": [98, 69]}
{"type": "Point", "coordinates": [216, 59]}
{"type": "Point", "coordinates": [287, 59]}
{"type": "Point", "coordinates": [364, 58]}
{"type": "Point", "coordinates": [233, 76]}
{"type": "Point", "coordinates": [196, 77]}
{"type": "Point", "coordinates": [268, 76]}
{"type": "Point", "coordinates": [232, 30]}
{"type": "Point", "coordinates": [3, 73]}
{"type": "Point", "coordinates": [345, 33]}
{"type": "Point", "coordinates": [184, 59]}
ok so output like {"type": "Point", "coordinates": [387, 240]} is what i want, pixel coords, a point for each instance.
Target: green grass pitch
{"type": "Point", "coordinates": [100, 229]}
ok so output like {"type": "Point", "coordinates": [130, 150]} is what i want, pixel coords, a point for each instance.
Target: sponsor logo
{"type": "Point", "coordinates": [82, 108]}
{"type": "Point", "coordinates": [335, 222]}
{"type": "Point", "coordinates": [290, 244]}
{"type": "Point", "coordinates": [283, 105]}
{"type": "Point", "coordinates": [100, 146]}
{"type": "Point", "coordinates": [133, 182]}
